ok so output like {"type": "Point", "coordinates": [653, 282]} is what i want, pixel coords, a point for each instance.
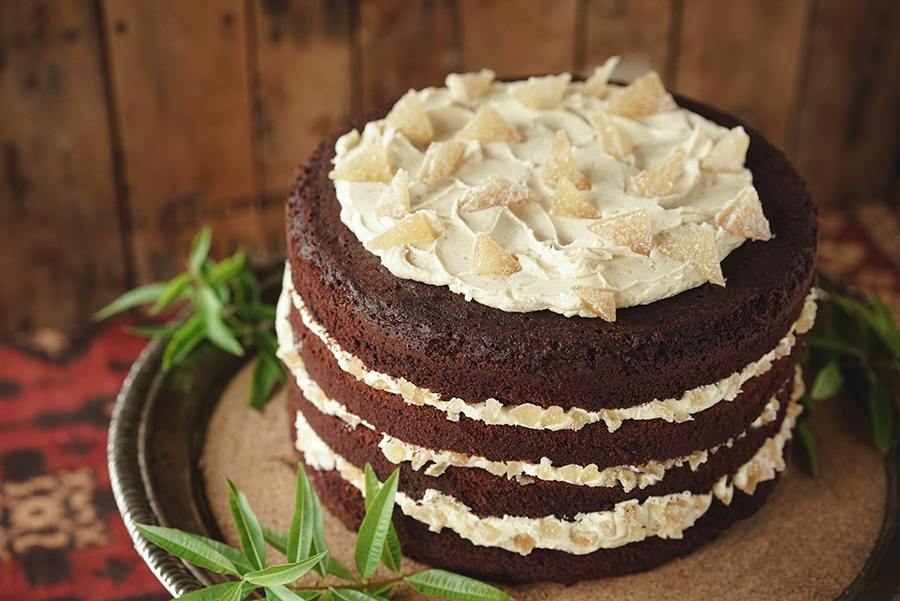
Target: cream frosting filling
{"type": "Point", "coordinates": [554, 252]}
{"type": "Point", "coordinates": [529, 415]}
{"type": "Point", "coordinates": [666, 516]}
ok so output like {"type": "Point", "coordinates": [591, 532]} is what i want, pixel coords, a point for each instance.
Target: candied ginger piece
{"type": "Point", "coordinates": [414, 229]}
{"type": "Point", "coordinates": [466, 87]}
{"type": "Point", "coordinates": [728, 154]}
{"type": "Point", "coordinates": [369, 165]}
{"type": "Point", "coordinates": [569, 202]}
{"type": "Point", "coordinates": [487, 125]}
{"type": "Point", "coordinates": [497, 191]}
{"type": "Point", "coordinates": [699, 251]}
{"type": "Point", "coordinates": [442, 159]}
{"type": "Point", "coordinates": [598, 83]}
{"type": "Point", "coordinates": [633, 229]}
{"type": "Point", "coordinates": [614, 139]}
{"type": "Point", "coordinates": [492, 259]}
{"type": "Point", "coordinates": [658, 180]}
{"type": "Point", "coordinates": [645, 96]}
{"type": "Point", "coordinates": [394, 202]}
{"type": "Point", "coordinates": [410, 117]}
{"type": "Point", "coordinates": [561, 163]}
{"type": "Point", "coordinates": [541, 92]}
{"type": "Point", "coordinates": [743, 216]}
{"type": "Point", "coordinates": [599, 301]}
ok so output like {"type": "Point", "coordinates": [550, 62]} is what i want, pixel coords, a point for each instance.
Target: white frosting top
{"type": "Point", "coordinates": [555, 253]}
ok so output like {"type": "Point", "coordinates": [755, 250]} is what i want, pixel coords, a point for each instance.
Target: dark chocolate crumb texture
{"type": "Point", "coordinates": [580, 427]}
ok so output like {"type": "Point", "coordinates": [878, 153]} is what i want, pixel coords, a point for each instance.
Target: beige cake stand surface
{"type": "Point", "coordinates": [809, 541]}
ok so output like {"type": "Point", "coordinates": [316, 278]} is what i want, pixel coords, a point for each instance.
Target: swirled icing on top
{"type": "Point", "coordinates": [556, 254]}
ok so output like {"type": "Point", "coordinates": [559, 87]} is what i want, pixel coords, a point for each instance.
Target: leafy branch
{"type": "Point", "coordinates": [305, 548]}
{"type": "Point", "coordinates": [854, 342]}
{"type": "Point", "coordinates": [227, 311]}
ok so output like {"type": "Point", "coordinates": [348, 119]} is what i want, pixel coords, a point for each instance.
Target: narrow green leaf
{"type": "Point", "coordinates": [151, 331]}
{"type": "Point", "coordinates": [173, 289]}
{"type": "Point", "coordinates": [338, 569]}
{"type": "Point", "coordinates": [828, 382]}
{"type": "Point", "coordinates": [881, 412]}
{"type": "Point", "coordinates": [215, 592]}
{"type": "Point", "coordinates": [261, 384]}
{"type": "Point", "coordinates": [246, 288]}
{"type": "Point", "coordinates": [454, 586]}
{"type": "Point", "coordinates": [185, 547]}
{"type": "Point", "coordinates": [281, 593]}
{"type": "Point", "coordinates": [227, 269]}
{"type": "Point", "coordinates": [132, 298]}
{"type": "Point", "coordinates": [300, 534]}
{"type": "Point", "coordinates": [380, 590]}
{"type": "Point", "coordinates": [817, 341]}
{"type": "Point", "coordinates": [199, 249]}
{"type": "Point", "coordinates": [236, 592]}
{"type": "Point", "coordinates": [248, 528]}
{"type": "Point", "coordinates": [350, 594]}
{"type": "Point", "coordinates": [276, 538]}
{"type": "Point", "coordinates": [234, 555]}
{"type": "Point", "coordinates": [809, 445]}
{"type": "Point", "coordinates": [210, 309]}
{"type": "Point", "coordinates": [256, 312]}
{"type": "Point", "coordinates": [391, 554]}
{"type": "Point", "coordinates": [183, 341]}
{"type": "Point", "coordinates": [808, 403]}
{"type": "Point", "coordinates": [283, 574]}
{"type": "Point", "coordinates": [374, 528]}
{"type": "Point", "coordinates": [319, 544]}
{"type": "Point", "coordinates": [887, 325]}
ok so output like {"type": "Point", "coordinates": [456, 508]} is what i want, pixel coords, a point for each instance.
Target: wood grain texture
{"type": "Point", "coordinates": [848, 139]}
{"type": "Point", "coordinates": [744, 58]}
{"type": "Point", "coordinates": [304, 62]}
{"type": "Point", "coordinates": [635, 30]}
{"type": "Point", "coordinates": [60, 238]}
{"type": "Point", "coordinates": [180, 77]}
{"type": "Point", "coordinates": [520, 38]}
{"type": "Point", "coordinates": [405, 44]}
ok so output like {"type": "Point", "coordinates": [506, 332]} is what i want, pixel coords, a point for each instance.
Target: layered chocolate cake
{"type": "Point", "coordinates": [571, 313]}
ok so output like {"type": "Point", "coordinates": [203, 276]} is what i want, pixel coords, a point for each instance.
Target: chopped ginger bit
{"type": "Point", "coordinates": [561, 163]}
{"type": "Point", "coordinates": [645, 96]}
{"type": "Point", "coordinates": [541, 92]}
{"type": "Point", "coordinates": [598, 301]}
{"type": "Point", "coordinates": [466, 87]}
{"type": "Point", "coordinates": [633, 229]}
{"type": "Point", "coordinates": [598, 83]}
{"type": "Point", "coordinates": [409, 116]}
{"type": "Point", "coordinates": [497, 191]}
{"type": "Point", "coordinates": [524, 543]}
{"type": "Point", "coordinates": [728, 154]}
{"type": "Point", "coordinates": [414, 229]}
{"type": "Point", "coordinates": [492, 259]}
{"type": "Point", "coordinates": [614, 139]}
{"type": "Point", "coordinates": [743, 216]}
{"type": "Point", "coordinates": [369, 165]}
{"type": "Point", "coordinates": [699, 251]}
{"type": "Point", "coordinates": [658, 180]}
{"type": "Point", "coordinates": [394, 202]}
{"type": "Point", "coordinates": [487, 125]}
{"type": "Point", "coordinates": [569, 202]}
{"type": "Point", "coordinates": [442, 159]}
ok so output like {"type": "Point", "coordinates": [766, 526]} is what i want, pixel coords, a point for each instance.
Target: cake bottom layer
{"type": "Point", "coordinates": [449, 551]}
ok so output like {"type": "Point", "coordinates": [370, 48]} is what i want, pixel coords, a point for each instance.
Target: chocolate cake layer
{"type": "Point", "coordinates": [437, 340]}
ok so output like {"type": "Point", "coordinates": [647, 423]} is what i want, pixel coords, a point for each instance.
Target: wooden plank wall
{"type": "Point", "coordinates": [126, 125]}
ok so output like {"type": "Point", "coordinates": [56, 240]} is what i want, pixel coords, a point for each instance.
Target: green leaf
{"type": "Point", "coordinates": [210, 309]}
{"type": "Point", "coordinates": [350, 594]}
{"type": "Point", "coordinates": [132, 298]}
{"type": "Point", "coordinates": [151, 331]}
{"type": "Point", "coordinates": [227, 269]}
{"type": "Point", "coordinates": [215, 592]}
{"type": "Point", "coordinates": [391, 555]}
{"type": "Point", "coordinates": [828, 382]}
{"type": "Point", "coordinates": [246, 288]}
{"type": "Point", "coordinates": [454, 586]}
{"type": "Point", "coordinates": [248, 528]}
{"type": "Point", "coordinates": [380, 590]}
{"type": "Point", "coordinates": [300, 534]}
{"type": "Point", "coordinates": [886, 325]}
{"type": "Point", "coordinates": [234, 555]}
{"type": "Point", "coordinates": [283, 574]}
{"type": "Point", "coordinates": [178, 543]}
{"type": "Point", "coordinates": [261, 384]}
{"type": "Point", "coordinates": [374, 528]}
{"type": "Point", "coordinates": [276, 538]}
{"type": "Point", "coordinates": [808, 403]}
{"type": "Point", "coordinates": [809, 445]}
{"type": "Point", "coordinates": [199, 249]}
{"type": "Point", "coordinates": [236, 592]}
{"type": "Point", "coordinates": [822, 342]}
{"type": "Point", "coordinates": [173, 289]}
{"type": "Point", "coordinates": [338, 569]}
{"type": "Point", "coordinates": [319, 544]}
{"type": "Point", "coordinates": [881, 412]}
{"type": "Point", "coordinates": [281, 593]}
{"type": "Point", "coordinates": [255, 312]}
{"type": "Point", "coordinates": [183, 341]}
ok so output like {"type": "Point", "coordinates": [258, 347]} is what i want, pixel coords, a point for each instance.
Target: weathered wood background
{"type": "Point", "coordinates": [125, 125]}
